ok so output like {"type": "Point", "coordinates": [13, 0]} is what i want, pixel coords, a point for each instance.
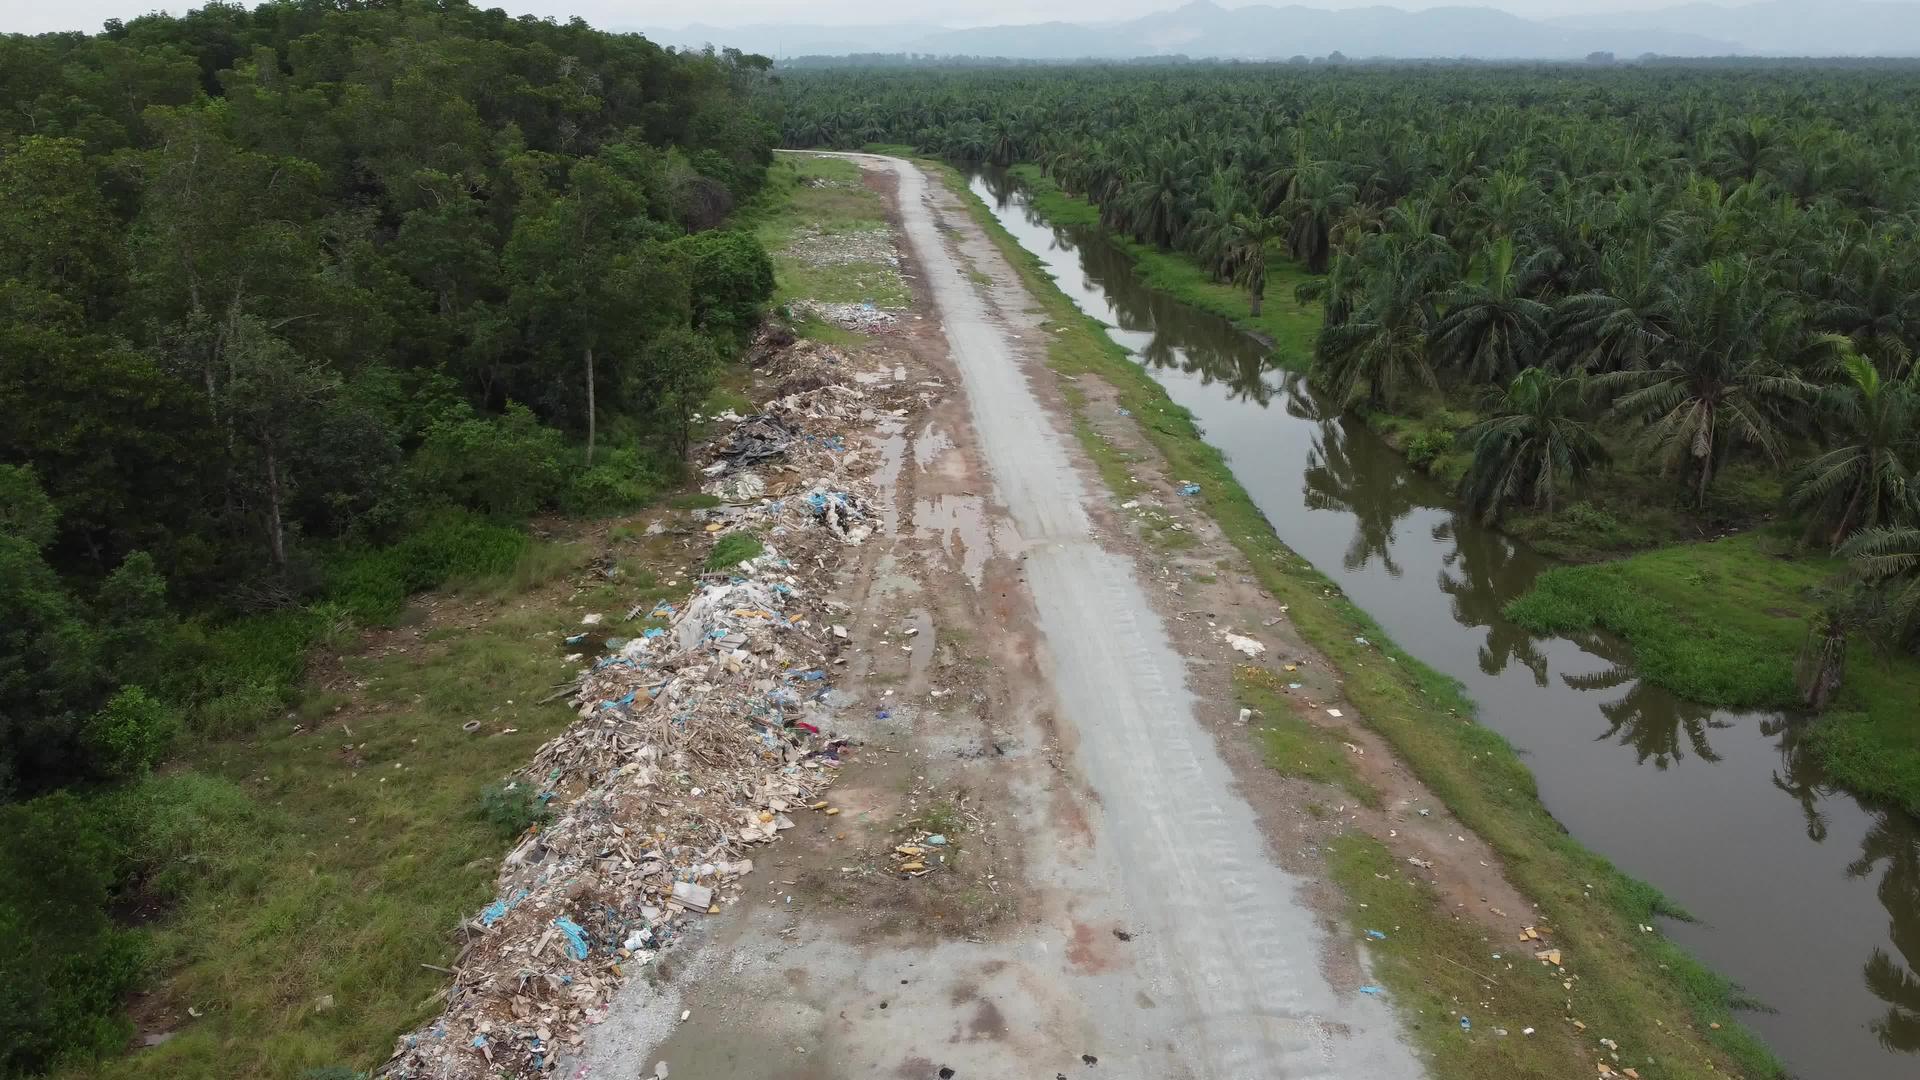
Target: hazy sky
{"type": "Point", "coordinates": [35, 16]}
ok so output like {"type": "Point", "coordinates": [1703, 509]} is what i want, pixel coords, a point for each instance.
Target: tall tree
{"type": "Point", "coordinates": [1536, 442]}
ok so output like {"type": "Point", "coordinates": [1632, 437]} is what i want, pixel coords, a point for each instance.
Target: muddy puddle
{"type": "Point", "coordinates": [1806, 897]}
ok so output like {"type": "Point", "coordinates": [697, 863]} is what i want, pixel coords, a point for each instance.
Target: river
{"type": "Point", "coordinates": [1804, 896]}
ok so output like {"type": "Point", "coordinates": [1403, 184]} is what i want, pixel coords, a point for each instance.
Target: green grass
{"type": "Point", "coordinates": [1294, 746]}
{"type": "Point", "coordinates": [1436, 967]}
{"type": "Point", "coordinates": [1722, 622]}
{"type": "Point", "coordinates": [321, 868]}
{"type": "Point", "coordinates": [734, 549]}
{"type": "Point", "coordinates": [1640, 988]}
{"type": "Point", "coordinates": [1284, 321]}
{"type": "Point", "coordinates": [789, 207]}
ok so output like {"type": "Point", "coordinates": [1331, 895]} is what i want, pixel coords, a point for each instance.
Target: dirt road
{"type": "Point", "coordinates": [1123, 914]}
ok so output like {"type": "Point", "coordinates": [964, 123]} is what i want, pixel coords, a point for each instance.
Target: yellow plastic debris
{"type": "Point", "coordinates": [908, 868]}
{"type": "Point", "coordinates": [832, 810]}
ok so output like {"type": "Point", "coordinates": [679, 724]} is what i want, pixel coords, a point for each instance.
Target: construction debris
{"type": "Point", "coordinates": [701, 735]}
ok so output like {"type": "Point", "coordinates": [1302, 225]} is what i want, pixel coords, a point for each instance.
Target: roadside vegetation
{"type": "Point", "coordinates": [304, 309]}
{"type": "Point", "coordinates": [1617, 308]}
{"type": "Point", "coordinates": [1667, 1005]}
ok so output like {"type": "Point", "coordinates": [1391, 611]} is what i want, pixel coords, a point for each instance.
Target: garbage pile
{"type": "Point", "coordinates": [817, 248]}
{"type": "Point", "coordinates": [698, 738]}
{"type": "Point", "coordinates": [864, 316]}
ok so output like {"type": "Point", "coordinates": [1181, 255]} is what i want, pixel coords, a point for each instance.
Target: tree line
{"type": "Point", "coordinates": [1693, 267]}
{"type": "Point", "coordinates": [305, 306]}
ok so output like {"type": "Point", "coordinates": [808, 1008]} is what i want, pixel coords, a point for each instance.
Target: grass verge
{"type": "Point", "coordinates": [1286, 323]}
{"type": "Point", "coordinates": [1639, 989]}
{"type": "Point", "coordinates": [1721, 623]}
{"type": "Point", "coordinates": [1294, 746]}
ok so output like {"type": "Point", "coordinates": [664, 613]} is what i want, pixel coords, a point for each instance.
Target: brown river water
{"type": "Point", "coordinates": [1807, 898]}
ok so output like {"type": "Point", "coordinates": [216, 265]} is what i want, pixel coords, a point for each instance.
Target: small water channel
{"type": "Point", "coordinates": [1807, 898]}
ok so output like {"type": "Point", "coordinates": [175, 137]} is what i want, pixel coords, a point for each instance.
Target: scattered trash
{"type": "Point", "coordinates": [1466, 1023]}
{"type": "Point", "coordinates": [863, 317]}
{"type": "Point", "coordinates": [1246, 715]}
{"type": "Point", "coordinates": [1335, 713]}
{"type": "Point", "coordinates": [936, 840]}
{"type": "Point", "coordinates": [1244, 645]}
{"type": "Point", "coordinates": [1189, 488]}
{"type": "Point", "coordinates": [1122, 934]}
{"type": "Point", "coordinates": [1419, 862]}
{"type": "Point", "coordinates": [592, 619]}
{"type": "Point", "coordinates": [695, 897]}
{"type": "Point", "coordinates": [323, 1003]}
{"type": "Point", "coordinates": [1089, 1059]}
{"type": "Point", "coordinates": [1361, 641]}
{"type": "Point", "coordinates": [1376, 935]}
{"type": "Point", "coordinates": [1373, 990]}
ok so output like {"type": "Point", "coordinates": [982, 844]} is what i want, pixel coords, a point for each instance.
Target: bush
{"type": "Point", "coordinates": [507, 466]}
{"type": "Point", "coordinates": [374, 585]}
{"type": "Point", "coordinates": [64, 965]}
{"type": "Point", "coordinates": [1424, 446]}
{"type": "Point", "coordinates": [127, 737]}
{"type": "Point", "coordinates": [511, 808]}
{"type": "Point", "coordinates": [623, 479]}
{"type": "Point", "coordinates": [732, 279]}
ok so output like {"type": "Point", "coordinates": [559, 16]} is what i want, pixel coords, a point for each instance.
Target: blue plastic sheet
{"type": "Point", "coordinates": [497, 910]}
{"type": "Point", "coordinates": [576, 936]}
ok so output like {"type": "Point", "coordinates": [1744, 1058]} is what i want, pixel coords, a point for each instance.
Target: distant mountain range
{"type": "Point", "coordinates": [1263, 32]}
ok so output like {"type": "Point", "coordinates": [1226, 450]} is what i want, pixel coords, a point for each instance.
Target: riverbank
{"type": "Point", "coordinates": [1636, 982]}
{"type": "Point", "coordinates": [1285, 323]}
{"type": "Point", "coordinates": [1867, 742]}
{"type": "Point", "coordinates": [1722, 622]}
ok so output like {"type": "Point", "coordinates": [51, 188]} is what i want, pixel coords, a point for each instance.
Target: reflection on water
{"type": "Point", "coordinates": [1807, 898]}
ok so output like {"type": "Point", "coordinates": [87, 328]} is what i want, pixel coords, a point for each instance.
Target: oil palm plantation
{"type": "Point", "coordinates": [1889, 557]}
{"type": "Point", "coordinates": [1536, 443]}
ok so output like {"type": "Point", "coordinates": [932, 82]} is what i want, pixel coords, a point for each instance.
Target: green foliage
{"type": "Point", "coordinates": [734, 549]}
{"type": "Point", "coordinates": [374, 584]}
{"type": "Point", "coordinates": [128, 736]}
{"type": "Point", "coordinates": [731, 281]}
{"type": "Point", "coordinates": [64, 964]}
{"type": "Point", "coordinates": [511, 808]}
{"type": "Point", "coordinates": [623, 478]}
{"type": "Point", "coordinates": [507, 466]}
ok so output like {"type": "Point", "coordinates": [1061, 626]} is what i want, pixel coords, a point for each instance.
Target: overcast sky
{"type": "Point", "coordinates": [36, 16]}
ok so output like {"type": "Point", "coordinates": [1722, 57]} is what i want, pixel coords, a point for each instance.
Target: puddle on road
{"type": "Point", "coordinates": [959, 522]}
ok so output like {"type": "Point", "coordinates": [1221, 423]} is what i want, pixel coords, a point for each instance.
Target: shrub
{"type": "Point", "coordinates": [373, 585]}
{"type": "Point", "coordinates": [127, 737]}
{"type": "Point", "coordinates": [64, 965]}
{"type": "Point", "coordinates": [506, 466]}
{"type": "Point", "coordinates": [511, 808]}
{"type": "Point", "coordinates": [1424, 446]}
{"type": "Point", "coordinates": [623, 479]}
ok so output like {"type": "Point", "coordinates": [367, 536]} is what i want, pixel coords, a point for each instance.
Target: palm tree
{"type": "Point", "coordinates": [1318, 200]}
{"type": "Point", "coordinates": [1534, 443]}
{"type": "Point", "coordinates": [1381, 350]}
{"type": "Point", "coordinates": [1246, 251]}
{"type": "Point", "coordinates": [1717, 379]}
{"type": "Point", "coordinates": [1491, 330]}
{"type": "Point", "coordinates": [1889, 557]}
{"type": "Point", "coordinates": [1619, 326]}
{"type": "Point", "coordinates": [1868, 481]}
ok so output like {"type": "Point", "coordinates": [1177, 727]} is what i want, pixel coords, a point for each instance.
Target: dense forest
{"type": "Point", "coordinates": [1688, 270]}
{"type": "Point", "coordinates": [304, 308]}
